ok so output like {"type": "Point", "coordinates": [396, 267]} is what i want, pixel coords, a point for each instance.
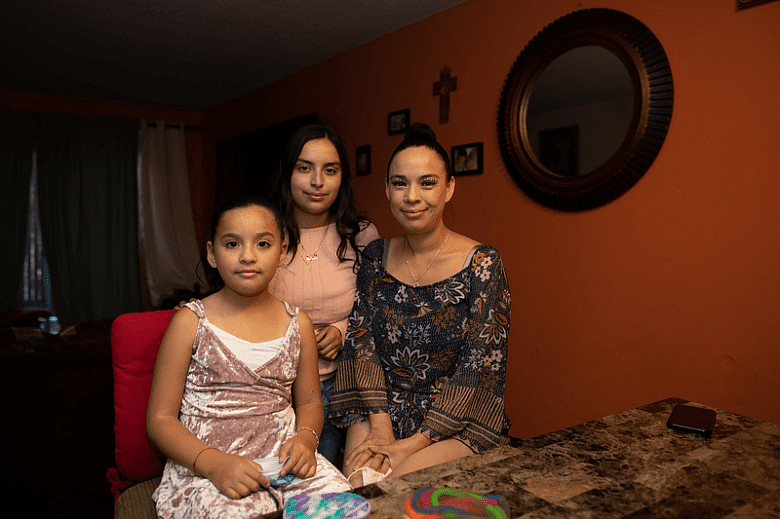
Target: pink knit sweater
{"type": "Point", "coordinates": [326, 291]}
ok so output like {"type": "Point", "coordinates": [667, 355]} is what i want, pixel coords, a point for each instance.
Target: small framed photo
{"type": "Point", "coordinates": [467, 159]}
{"type": "Point", "coordinates": [397, 122]}
{"type": "Point", "coordinates": [363, 160]}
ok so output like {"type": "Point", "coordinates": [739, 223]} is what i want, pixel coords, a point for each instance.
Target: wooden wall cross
{"type": "Point", "coordinates": [442, 88]}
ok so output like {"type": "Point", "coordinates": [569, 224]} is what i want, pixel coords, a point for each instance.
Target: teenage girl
{"type": "Point", "coordinates": [228, 369]}
{"type": "Point", "coordinates": [313, 189]}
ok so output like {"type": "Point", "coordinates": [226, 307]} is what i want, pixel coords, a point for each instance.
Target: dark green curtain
{"type": "Point", "coordinates": [89, 214]}
{"type": "Point", "coordinates": [16, 138]}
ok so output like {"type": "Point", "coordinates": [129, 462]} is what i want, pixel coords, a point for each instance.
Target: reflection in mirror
{"type": "Point", "coordinates": [580, 110]}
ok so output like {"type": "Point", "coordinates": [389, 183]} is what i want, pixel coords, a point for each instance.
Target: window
{"type": "Point", "coordinates": [35, 287]}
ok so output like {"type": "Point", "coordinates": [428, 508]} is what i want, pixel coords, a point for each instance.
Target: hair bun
{"type": "Point", "coordinates": [420, 135]}
{"type": "Point", "coordinates": [420, 132]}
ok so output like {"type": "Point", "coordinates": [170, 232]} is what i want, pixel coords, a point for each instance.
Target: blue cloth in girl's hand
{"type": "Point", "coordinates": [271, 470]}
{"type": "Point", "coordinates": [282, 481]}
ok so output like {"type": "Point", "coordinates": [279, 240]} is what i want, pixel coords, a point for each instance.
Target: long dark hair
{"type": "Point", "coordinates": [211, 275]}
{"type": "Point", "coordinates": [348, 221]}
{"type": "Point", "coordinates": [422, 135]}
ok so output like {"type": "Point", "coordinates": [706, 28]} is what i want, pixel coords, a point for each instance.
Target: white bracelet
{"type": "Point", "coordinates": [302, 428]}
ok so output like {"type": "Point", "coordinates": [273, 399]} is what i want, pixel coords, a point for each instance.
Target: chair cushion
{"type": "Point", "coordinates": [136, 502]}
{"type": "Point", "coordinates": [135, 339]}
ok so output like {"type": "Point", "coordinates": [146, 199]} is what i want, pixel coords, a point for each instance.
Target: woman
{"type": "Point", "coordinates": [313, 190]}
{"type": "Point", "coordinates": [421, 376]}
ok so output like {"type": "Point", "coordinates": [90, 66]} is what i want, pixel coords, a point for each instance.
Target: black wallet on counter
{"type": "Point", "coordinates": [692, 419]}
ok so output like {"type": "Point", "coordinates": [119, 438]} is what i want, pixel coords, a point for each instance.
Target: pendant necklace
{"type": "Point", "coordinates": [406, 258]}
{"type": "Point", "coordinates": [313, 257]}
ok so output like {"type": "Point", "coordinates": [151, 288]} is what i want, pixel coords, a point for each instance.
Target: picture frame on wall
{"type": "Point", "coordinates": [744, 4]}
{"type": "Point", "coordinates": [363, 160]}
{"type": "Point", "coordinates": [467, 159]}
{"type": "Point", "coordinates": [397, 122]}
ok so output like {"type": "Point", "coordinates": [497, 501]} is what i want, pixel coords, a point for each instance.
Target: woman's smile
{"type": "Point", "coordinates": [418, 189]}
{"type": "Point", "coordinates": [315, 182]}
{"type": "Point", "coordinates": [413, 214]}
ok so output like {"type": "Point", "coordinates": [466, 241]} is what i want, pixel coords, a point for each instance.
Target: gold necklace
{"type": "Point", "coordinates": [406, 258]}
{"type": "Point", "coordinates": [313, 257]}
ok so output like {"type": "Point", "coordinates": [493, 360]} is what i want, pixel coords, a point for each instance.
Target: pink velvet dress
{"type": "Point", "coordinates": [240, 411]}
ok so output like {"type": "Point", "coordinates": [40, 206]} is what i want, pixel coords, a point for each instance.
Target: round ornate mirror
{"type": "Point", "coordinates": [585, 109]}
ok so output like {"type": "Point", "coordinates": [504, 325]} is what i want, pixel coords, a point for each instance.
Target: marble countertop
{"type": "Point", "coordinates": [624, 465]}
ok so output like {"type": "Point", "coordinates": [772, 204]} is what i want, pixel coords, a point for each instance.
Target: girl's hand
{"type": "Point", "coordinates": [301, 461]}
{"type": "Point", "coordinates": [235, 476]}
{"type": "Point", "coordinates": [329, 343]}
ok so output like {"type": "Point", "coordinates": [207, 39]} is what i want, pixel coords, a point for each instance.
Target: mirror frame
{"type": "Point", "coordinates": [644, 58]}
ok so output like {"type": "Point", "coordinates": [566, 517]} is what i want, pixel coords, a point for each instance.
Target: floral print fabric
{"type": "Point", "coordinates": [433, 357]}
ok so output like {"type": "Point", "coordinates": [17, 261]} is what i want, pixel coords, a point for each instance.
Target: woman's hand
{"type": "Point", "coordinates": [300, 448]}
{"type": "Point", "coordinates": [235, 476]}
{"type": "Point", "coordinates": [364, 456]}
{"type": "Point", "coordinates": [329, 343]}
{"type": "Point", "coordinates": [182, 304]}
{"type": "Point", "coordinates": [398, 451]}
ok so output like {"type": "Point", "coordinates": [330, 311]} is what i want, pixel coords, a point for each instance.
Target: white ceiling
{"type": "Point", "coordinates": [183, 53]}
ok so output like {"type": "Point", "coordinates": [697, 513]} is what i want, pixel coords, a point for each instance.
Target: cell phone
{"type": "Point", "coordinates": [692, 419]}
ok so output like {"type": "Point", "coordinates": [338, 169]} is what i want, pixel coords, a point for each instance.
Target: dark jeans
{"type": "Point", "coordinates": [330, 438]}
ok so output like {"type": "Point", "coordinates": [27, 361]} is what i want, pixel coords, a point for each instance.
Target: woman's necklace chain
{"type": "Point", "coordinates": [313, 257]}
{"type": "Point", "coordinates": [406, 258]}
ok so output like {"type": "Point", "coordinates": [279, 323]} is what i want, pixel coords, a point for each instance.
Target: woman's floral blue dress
{"type": "Point", "coordinates": [433, 357]}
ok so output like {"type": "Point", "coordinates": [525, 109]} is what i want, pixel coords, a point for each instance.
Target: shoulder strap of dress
{"type": "Point", "coordinates": [292, 310]}
{"type": "Point", "coordinates": [470, 255]}
{"type": "Point", "coordinates": [197, 307]}
{"type": "Point", "coordinates": [385, 251]}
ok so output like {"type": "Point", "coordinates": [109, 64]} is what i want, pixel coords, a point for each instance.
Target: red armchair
{"type": "Point", "coordinates": [135, 340]}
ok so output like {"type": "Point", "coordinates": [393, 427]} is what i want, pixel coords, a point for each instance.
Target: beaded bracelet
{"type": "Point", "coordinates": [194, 470]}
{"type": "Point", "coordinates": [316, 436]}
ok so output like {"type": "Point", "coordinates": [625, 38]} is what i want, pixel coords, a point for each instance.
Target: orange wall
{"type": "Point", "coordinates": [674, 288]}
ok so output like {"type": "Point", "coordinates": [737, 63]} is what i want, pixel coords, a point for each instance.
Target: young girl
{"type": "Point", "coordinates": [421, 377]}
{"type": "Point", "coordinates": [313, 189]}
{"type": "Point", "coordinates": [226, 373]}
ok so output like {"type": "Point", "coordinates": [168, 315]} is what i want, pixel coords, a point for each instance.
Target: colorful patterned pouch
{"type": "Point", "coordinates": [450, 503]}
{"type": "Point", "coordinates": [343, 505]}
